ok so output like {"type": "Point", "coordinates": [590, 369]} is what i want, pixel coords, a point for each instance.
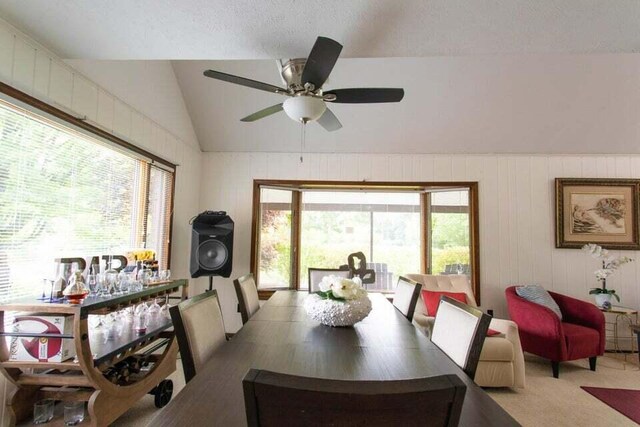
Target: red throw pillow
{"type": "Point", "coordinates": [492, 332]}
{"type": "Point", "coordinates": [432, 299]}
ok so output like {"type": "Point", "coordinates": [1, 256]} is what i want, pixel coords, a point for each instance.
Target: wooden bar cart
{"type": "Point", "coordinates": [88, 377]}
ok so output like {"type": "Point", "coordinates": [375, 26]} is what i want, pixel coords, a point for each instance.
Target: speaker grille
{"type": "Point", "coordinates": [212, 254]}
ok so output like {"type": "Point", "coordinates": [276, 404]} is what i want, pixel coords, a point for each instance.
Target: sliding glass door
{"type": "Point", "coordinates": [384, 226]}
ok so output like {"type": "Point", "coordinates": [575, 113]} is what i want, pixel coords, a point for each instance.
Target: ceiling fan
{"type": "Point", "coordinates": [304, 78]}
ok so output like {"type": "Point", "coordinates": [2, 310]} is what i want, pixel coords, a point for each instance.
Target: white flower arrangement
{"type": "Point", "coordinates": [340, 288]}
{"type": "Point", "coordinates": [339, 302]}
{"type": "Point", "coordinates": [609, 266]}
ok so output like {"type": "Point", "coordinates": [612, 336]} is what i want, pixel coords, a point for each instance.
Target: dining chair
{"type": "Point", "coordinates": [275, 399]}
{"type": "Point", "coordinates": [316, 275]}
{"type": "Point", "coordinates": [199, 328]}
{"type": "Point", "coordinates": [459, 331]}
{"type": "Point", "coordinates": [247, 293]}
{"type": "Point", "coordinates": [406, 297]}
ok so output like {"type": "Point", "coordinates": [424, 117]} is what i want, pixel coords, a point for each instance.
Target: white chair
{"type": "Point", "coordinates": [460, 330]}
{"type": "Point", "coordinates": [316, 275]}
{"type": "Point", "coordinates": [247, 293]}
{"type": "Point", "coordinates": [502, 360]}
{"type": "Point", "coordinates": [406, 297]}
{"type": "Point", "coordinates": [199, 329]}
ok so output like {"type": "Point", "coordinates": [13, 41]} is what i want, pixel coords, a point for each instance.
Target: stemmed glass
{"type": "Point", "coordinates": [92, 283]}
{"type": "Point", "coordinates": [103, 285]}
{"type": "Point", "coordinates": [140, 318]}
{"type": "Point", "coordinates": [154, 308]}
{"type": "Point", "coordinates": [164, 311]}
{"type": "Point", "coordinates": [111, 327]}
{"type": "Point", "coordinates": [164, 275]}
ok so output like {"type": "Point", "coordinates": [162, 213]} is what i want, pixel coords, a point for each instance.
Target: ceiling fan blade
{"type": "Point", "coordinates": [329, 121]}
{"type": "Point", "coordinates": [365, 95]}
{"type": "Point", "coordinates": [262, 113]}
{"type": "Point", "coordinates": [322, 58]}
{"type": "Point", "coordinates": [244, 82]}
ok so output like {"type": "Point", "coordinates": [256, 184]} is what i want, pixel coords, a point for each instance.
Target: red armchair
{"type": "Point", "coordinates": [579, 335]}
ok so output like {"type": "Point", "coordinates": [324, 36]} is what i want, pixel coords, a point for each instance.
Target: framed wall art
{"type": "Point", "coordinates": [597, 210]}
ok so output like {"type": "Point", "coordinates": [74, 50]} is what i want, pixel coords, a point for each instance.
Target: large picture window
{"type": "Point", "coordinates": [400, 227]}
{"type": "Point", "coordinates": [65, 193]}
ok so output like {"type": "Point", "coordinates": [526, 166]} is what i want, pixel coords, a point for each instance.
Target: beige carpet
{"type": "Point", "coordinates": [545, 401]}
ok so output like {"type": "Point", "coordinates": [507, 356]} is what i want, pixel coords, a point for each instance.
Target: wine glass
{"type": "Point", "coordinates": [103, 290]}
{"type": "Point", "coordinates": [92, 283]}
{"type": "Point", "coordinates": [164, 311]}
{"type": "Point", "coordinates": [140, 318]}
{"type": "Point", "coordinates": [154, 308]}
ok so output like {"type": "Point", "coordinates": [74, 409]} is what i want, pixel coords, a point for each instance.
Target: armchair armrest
{"type": "Point", "coordinates": [506, 327]}
{"type": "Point", "coordinates": [510, 330]}
{"type": "Point", "coordinates": [581, 313]}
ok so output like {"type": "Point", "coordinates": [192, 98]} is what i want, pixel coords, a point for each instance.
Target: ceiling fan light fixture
{"type": "Point", "coordinates": [304, 108]}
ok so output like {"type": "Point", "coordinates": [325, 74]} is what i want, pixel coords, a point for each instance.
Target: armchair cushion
{"type": "Point", "coordinates": [539, 295]}
{"type": "Point", "coordinates": [581, 341]}
{"type": "Point", "coordinates": [432, 299]}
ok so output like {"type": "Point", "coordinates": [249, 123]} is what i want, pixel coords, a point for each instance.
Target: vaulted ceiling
{"type": "Point", "coordinates": [258, 29]}
{"type": "Point", "coordinates": [480, 76]}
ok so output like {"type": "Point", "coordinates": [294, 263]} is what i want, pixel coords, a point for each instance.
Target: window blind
{"type": "Point", "coordinates": [64, 193]}
{"type": "Point", "coordinates": [158, 227]}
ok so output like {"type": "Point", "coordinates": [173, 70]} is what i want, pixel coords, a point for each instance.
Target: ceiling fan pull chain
{"type": "Point", "coordinates": [303, 137]}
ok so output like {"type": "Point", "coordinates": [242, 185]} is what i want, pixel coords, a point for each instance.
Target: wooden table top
{"type": "Point", "coordinates": [281, 338]}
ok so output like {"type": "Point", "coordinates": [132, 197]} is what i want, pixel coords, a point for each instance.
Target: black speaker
{"type": "Point", "coordinates": [211, 244]}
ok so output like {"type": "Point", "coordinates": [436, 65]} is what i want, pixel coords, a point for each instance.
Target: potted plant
{"type": "Point", "coordinates": [609, 265]}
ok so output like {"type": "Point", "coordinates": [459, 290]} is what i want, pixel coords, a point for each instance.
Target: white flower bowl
{"type": "Point", "coordinates": [337, 313]}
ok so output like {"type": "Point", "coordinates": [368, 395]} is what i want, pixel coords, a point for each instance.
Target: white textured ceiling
{"type": "Point", "coordinates": [260, 29]}
{"type": "Point", "coordinates": [471, 104]}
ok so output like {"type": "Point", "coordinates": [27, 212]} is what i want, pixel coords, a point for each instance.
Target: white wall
{"type": "Point", "coordinates": [149, 86]}
{"type": "Point", "coordinates": [32, 68]}
{"type": "Point", "coordinates": [516, 211]}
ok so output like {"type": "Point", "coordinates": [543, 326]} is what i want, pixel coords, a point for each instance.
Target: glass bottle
{"type": "Point", "coordinates": [76, 291]}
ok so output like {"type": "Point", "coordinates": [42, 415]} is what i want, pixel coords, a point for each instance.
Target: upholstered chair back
{"type": "Point", "coordinates": [460, 330]}
{"type": "Point", "coordinates": [199, 329]}
{"type": "Point", "coordinates": [406, 297]}
{"type": "Point", "coordinates": [247, 293]}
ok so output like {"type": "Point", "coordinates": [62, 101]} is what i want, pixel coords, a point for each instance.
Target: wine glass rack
{"type": "Point", "coordinates": [110, 374]}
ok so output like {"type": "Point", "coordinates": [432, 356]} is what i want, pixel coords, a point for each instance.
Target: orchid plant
{"type": "Point", "coordinates": [341, 289]}
{"type": "Point", "coordinates": [610, 264]}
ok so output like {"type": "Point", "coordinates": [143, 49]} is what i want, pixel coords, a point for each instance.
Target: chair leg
{"type": "Point", "coordinates": [555, 367]}
{"type": "Point", "coordinates": [592, 363]}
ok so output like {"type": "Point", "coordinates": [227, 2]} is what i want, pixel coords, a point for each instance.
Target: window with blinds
{"type": "Point", "coordinates": [64, 193]}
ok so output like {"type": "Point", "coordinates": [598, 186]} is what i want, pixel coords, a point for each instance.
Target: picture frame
{"type": "Point", "coordinates": [603, 211]}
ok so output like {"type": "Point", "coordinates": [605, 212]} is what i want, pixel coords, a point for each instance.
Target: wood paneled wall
{"type": "Point", "coordinates": [32, 68]}
{"type": "Point", "coordinates": [516, 210]}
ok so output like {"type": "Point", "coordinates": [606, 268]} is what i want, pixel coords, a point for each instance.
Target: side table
{"type": "Point", "coordinates": [627, 317]}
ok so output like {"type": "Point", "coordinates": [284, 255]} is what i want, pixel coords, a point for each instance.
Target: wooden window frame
{"type": "Point", "coordinates": [298, 186]}
{"type": "Point", "coordinates": [80, 124]}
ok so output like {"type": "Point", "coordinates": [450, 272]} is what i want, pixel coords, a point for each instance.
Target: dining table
{"type": "Point", "coordinates": [280, 337]}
